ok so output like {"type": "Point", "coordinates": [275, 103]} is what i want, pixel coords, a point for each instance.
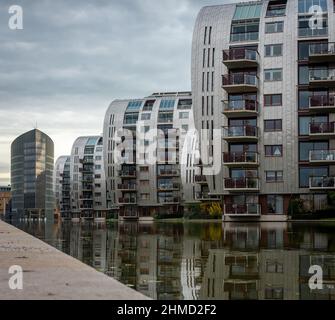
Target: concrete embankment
{"type": "Point", "coordinates": [51, 274]}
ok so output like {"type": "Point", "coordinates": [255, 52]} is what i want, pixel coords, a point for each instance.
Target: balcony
{"type": "Point", "coordinates": [169, 200]}
{"type": "Point", "coordinates": [240, 133]}
{"type": "Point", "coordinates": [206, 196]}
{"type": "Point", "coordinates": [127, 187]}
{"type": "Point", "coordinates": [200, 179]}
{"type": "Point", "coordinates": [169, 173]}
{"type": "Point", "coordinates": [322, 130]}
{"type": "Point", "coordinates": [125, 201]}
{"type": "Point", "coordinates": [322, 183]}
{"type": "Point", "coordinates": [169, 187]}
{"type": "Point", "coordinates": [240, 58]}
{"type": "Point", "coordinates": [322, 156]}
{"type": "Point", "coordinates": [127, 174]}
{"type": "Point", "coordinates": [241, 184]}
{"type": "Point", "coordinates": [240, 108]}
{"type": "Point", "coordinates": [245, 210]}
{"type": "Point", "coordinates": [237, 159]}
{"type": "Point", "coordinates": [322, 103]}
{"type": "Point", "coordinates": [322, 52]}
{"type": "Point", "coordinates": [322, 78]}
{"type": "Point", "coordinates": [240, 83]}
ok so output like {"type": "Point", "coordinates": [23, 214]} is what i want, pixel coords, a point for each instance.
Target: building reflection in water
{"type": "Point", "coordinates": [203, 261]}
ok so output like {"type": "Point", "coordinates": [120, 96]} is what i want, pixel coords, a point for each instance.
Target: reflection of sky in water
{"type": "Point", "coordinates": [203, 261]}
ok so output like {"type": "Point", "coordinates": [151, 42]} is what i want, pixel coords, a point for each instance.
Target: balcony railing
{"type": "Point", "coordinates": [322, 50]}
{"type": "Point", "coordinates": [322, 76]}
{"type": "Point", "coordinates": [322, 128]}
{"type": "Point", "coordinates": [249, 209]}
{"type": "Point", "coordinates": [236, 132]}
{"type": "Point", "coordinates": [244, 36]}
{"type": "Point", "coordinates": [318, 183]}
{"type": "Point", "coordinates": [240, 158]}
{"type": "Point", "coordinates": [169, 200]}
{"type": "Point", "coordinates": [169, 173]}
{"type": "Point", "coordinates": [206, 196]}
{"type": "Point", "coordinates": [127, 201]}
{"type": "Point", "coordinates": [238, 107]}
{"type": "Point", "coordinates": [127, 187]}
{"type": "Point", "coordinates": [322, 156]}
{"type": "Point", "coordinates": [322, 102]}
{"type": "Point", "coordinates": [169, 186]}
{"type": "Point", "coordinates": [127, 174]}
{"type": "Point", "coordinates": [238, 79]}
{"type": "Point", "coordinates": [240, 57]}
{"type": "Point", "coordinates": [241, 184]}
{"type": "Point", "coordinates": [200, 179]}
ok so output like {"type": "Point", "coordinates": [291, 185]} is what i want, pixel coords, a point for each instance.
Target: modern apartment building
{"type": "Point", "coordinates": [263, 74]}
{"type": "Point", "coordinates": [62, 187]}
{"type": "Point", "coordinates": [32, 165]}
{"type": "Point", "coordinates": [87, 179]}
{"type": "Point", "coordinates": [149, 153]}
{"type": "Point", "coordinates": [5, 200]}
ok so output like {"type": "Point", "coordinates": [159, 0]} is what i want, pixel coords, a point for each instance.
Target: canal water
{"type": "Point", "coordinates": [203, 260]}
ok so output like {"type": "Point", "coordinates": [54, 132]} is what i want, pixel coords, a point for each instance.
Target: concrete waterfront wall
{"type": "Point", "coordinates": [52, 275]}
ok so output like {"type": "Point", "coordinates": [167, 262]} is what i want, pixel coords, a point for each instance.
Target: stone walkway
{"type": "Point", "coordinates": [52, 275]}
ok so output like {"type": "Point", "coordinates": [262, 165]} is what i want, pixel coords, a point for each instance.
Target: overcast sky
{"type": "Point", "coordinates": [74, 57]}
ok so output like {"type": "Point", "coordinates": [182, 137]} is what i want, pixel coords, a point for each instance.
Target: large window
{"type": "Point", "coordinates": [248, 11]}
{"type": "Point", "coordinates": [274, 27]}
{"type": "Point", "coordinates": [275, 204]}
{"type": "Point", "coordinates": [274, 176]}
{"type": "Point", "coordinates": [305, 173]}
{"type": "Point", "coordinates": [276, 8]}
{"type": "Point", "coordinates": [167, 104]}
{"type": "Point", "coordinates": [272, 125]}
{"type": "Point", "coordinates": [305, 6]}
{"type": "Point", "coordinates": [242, 31]}
{"type": "Point", "coordinates": [305, 29]}
{"type": "Point", "coordinates": [305, 96]}
{"type": "Point", "coordinates": [134, 105]}
{"type": "Point", "coordinates": [306, 147]}
{"type": "Point", "coordinates": [305, 121]}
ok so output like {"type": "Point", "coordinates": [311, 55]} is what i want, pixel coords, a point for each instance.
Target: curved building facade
{"type": "Point", "coordinates": [263, 74]}
{"type": "Point", "coordinates": [32, 164]}
{"type": "Point", "coordinates": [149, 158]}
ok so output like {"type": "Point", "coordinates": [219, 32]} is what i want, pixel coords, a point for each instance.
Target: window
{"type": "Point", "coordinates": [148, 105]}
{"type": "Point", "coordinates": [274, 293]}
{"type": "Point", "coordinates": [276, 8]}
{"type": "Point", "coordinates": [274, 27]}
{"type": "Point", "coordinates": [272, 125]}
{"type": "Point", "coordinates": [271, 100]}
{"type": "Point", "coordinates": [184, 127]}
{"type": "Point", "coordinates": [167, 104]}
{"type": "Point", "coordinates": [185, 104]}
{"type": "Point", "coordinates": [183, 115]}
{"type": "Point", "coordinates": [274, 267]}
{"type": "Point", "coordinates": [273, 50]}
{"type": "Point", "coordinates": [144, 169]}
{"type": "Point", "coordinates": [98, 158]}
{"type": "Point", "coordinates": [145, 129]}
{"type": "Point", "coordinates": [306, 147]}
{"type": "Point", "coordinates": [274, 176]}
{"type": "Point", "coordinates": [303, 75]}
{"type": "Point", "coordinates": [304, 6]}
{"type": "Point", "coordinates": [274, 151]}
{"type": "Point", "coordinates": [134, 105]}
{"type": "Point", "coordinates": [130, 118]}
{"type": "Point", "coordinates": [275, 204]}
{"type": "Point", "coordinates": [248, 11]}
{"type": "Point", "coordinates": [244, 31]}
{"type": "Point", "coordinates": [305, 121]}
{"type": "Point", "coordinates": [97, 167]}
{"type": "Point", "coordinates": [305, 173]}
{"type": "Point", "coordinates": [144, 183]}
{"type": "Point", "coordinates": [145, 196]}
{"type": "Point", "coordinates": [145, 116]}
{"type": "Point", "coordinates": [273, 74]}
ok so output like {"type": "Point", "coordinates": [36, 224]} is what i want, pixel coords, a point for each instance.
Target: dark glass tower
{"type": "Point", "coordinates": [32, 164]}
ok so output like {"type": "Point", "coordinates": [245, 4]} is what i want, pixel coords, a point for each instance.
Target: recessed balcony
{"type": "Point", "coordinates": [169, 173]}
{"type": "Point", "coordinates": [245, 210]}
{"type": "Point", "coordinates": [240, 133]}
{"type": "Point", "coordinates": [127, 174]}
{"type": "Point", "coordinates": [322, 52]}
{"type": "Point", "coordinates": [322, 130]}
{"type": "Point", "coordinates": [322, 156]}
{"type": "Point", "coordinates": [127, 187]}
{"type": "Point", "coordinates": [322, 183]}
{"type": "Point", "coordinates": [238, 159]}
{"type": "Point", "coordinates": [169, 200]}
{"type": "Point", "coordinates": [200, 179]}
{"type": "Point", "coordinates": [322, 78]}
{"type": "Point", "coordinates": [240, 83]}
{"type": "Point", "coordinates": [169, 187]}
{"type": "Point", "coordinates": [240, 58]}
{"type": "Point", "coordinates": [240, 108]}
{"type": "Point", "coordinates": [322, 103]}
{"type": "Point", "coordinates": [241, 184]}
